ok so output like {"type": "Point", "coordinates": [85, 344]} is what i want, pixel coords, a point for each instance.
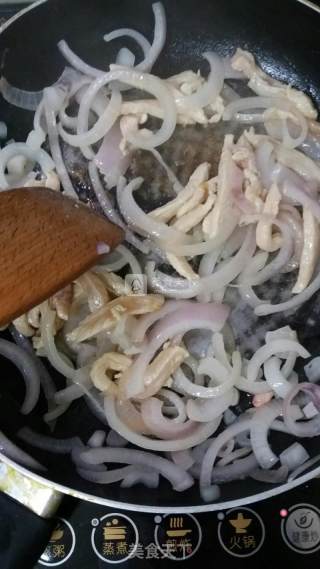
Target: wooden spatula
{"type": "Point", "coordinates": [46, 241]}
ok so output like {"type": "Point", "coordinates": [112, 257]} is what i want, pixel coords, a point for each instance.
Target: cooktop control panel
{"type": "Point", "coordinates": [282, 529]}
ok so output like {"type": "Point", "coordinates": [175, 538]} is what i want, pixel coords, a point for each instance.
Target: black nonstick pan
{"type": "Point", "coordinates": [284, 37]}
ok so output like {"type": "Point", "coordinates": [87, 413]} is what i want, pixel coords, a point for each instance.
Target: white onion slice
{"type": "Point", "coordinates": [212, 452]}
{"type": "Point", "coordinates": [11, 450]}
{"type": "Point", "coordinates": [97, 439]}
{"type": "Point", "coordinates": [200, 435]}
{"type": "Point", "coordinates": [270, 349]}
{"type": "Point", "coordinates": [294, 456]}
{"type": "Point", "coordinates": [209, 91]}
{"type": "Point", "coordinates": [159, 425]}
{"type": "Point", "coordinates": [153, 51]}
{"type": "Point", "coordinates": [143, 223]}
{"type": "Point", "coordinates": [276, 379]}
{"type": "Point", "coordinates": [20, 148]}
{"type": "Point", "coordinates": [55, 150]}
{"type": "Point", "coordinates": [141, 475]}
{"type": "Point", "coordinates": [240, 469]}
{"type": "Point", "coordinates": [278, 476]}
{"type": "Point", "coordinates": [145, 82]}
{"type": "Point", "coordinates": [179, 479]}
{"type": "Point", "coordinates": [103, 477]}
{"type": "Point", "coordinates": [103, 125]}
{"type": "Point", "coordinates": [206, 316]}
{"type": "Point", "coordinates": [115, 440]}
{"type": "Point", "coordinates": [50, 444]}
{"type": "Point", "coordinates": [301, 469]}
{"type": "Point", "coordinates": [179, 288]}
{"type": "Point", "coordinates": [27, 367]}
{"type": "Point", "coordinates": [127, 32]}
{"type": "Point", "coordinates": [309, 428]}
{"type": "Point", "coordinates": [260, 425]}
{"type": "Point", "coordinates": [204, 411]}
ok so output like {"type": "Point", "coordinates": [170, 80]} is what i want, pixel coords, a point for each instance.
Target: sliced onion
{"type": "Point", "coordinates": [46, 381]}
{"type": "Point", "coordinates": [275, 378]}
{"type": "Point", "coordinates": [27, 367]}
{"type": "Point", "coordinates": [297, 300]}
{"type": "Point", "coordinates": [312, 370]}
{"type": "Point", "coordinates": [159, 425]}
{"type": "Point", "coordinates": [141, 475]}
{"type": "Point", "coordinates": [97, 439]}
{"type": "Point", "coordinates": [309, 428]}
{"type": "Point", "coordinates": [55, 150]}
{"type": "Point", "coordinates": [174, 287]}
{"type": "Point", "coordinates": [145, 322]}
{"type": "Point", "coordinates": [209, 91]}
{"type": "Point", "coordinates": [294, 456]}
{"type": "Point", "coordinates": [27, 100]}
{"type": "Point", "coordinates": [145, 82]}
{"type": "Point", "coordinates": [153, 51]}
{"type": "Point", "coordinates": [77, 62]}
{"type": "Point", "coordinates": [103, 125]}
{"type": "Point", "coordinates": [127, 32]}
{"type": "Point", "coordinates": [125, 57]}
{"type": "Point", "coordinates": [142, 222]}
{"type": "Point", "coordinates": [10, 450]}
{"type": "Point", "coordinates": [270, 349]}
{"type": "Point", "coordinates": [38, 156]}
{"type": "Point", "coordinates": [111, 161]}
{"type": "Point", "coordinates": [182, 458]}
{"type": "Point", "coordinates": [240, 469]}
{"type": "Point", "coordinates": [200, 435]}
{"type": "Point", "coordinates": [271, 476]}
{"type": "Point", "coordinates": [204, 411]}
{"type": "Point", "coordinates": [179, 479]}
{"type": "Point", "coordinates": [301, 469]}
{"type": "Point", "coordinates": [115, 440]}
{"type": "Point", "coordinates": [50, 444]}
{"type": "Point", "coordinates": [282, 258]}
{"type": "Point", "coordinates": [102, 196]}
{"type": "Point", "coordinates": [212, 452]}
{"type": "Point", "coordinates": [299, 195]}
{"type": "Point", "coordinates": [206, 316]}
{"type": "Point", "coordinates": [260, 425]}
{"type": "Point", "coordinates": [103, 477]}
{"type": "Point", "coordinates": [233, 455]}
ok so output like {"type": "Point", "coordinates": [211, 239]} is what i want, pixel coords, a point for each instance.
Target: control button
{"type": "Point", "coordinates": [301, 528]}
{"type": "Point", "coordinates": [178, 537]}
{"type": "Point", "coordinates": [241, 532]}
{"type": "Point", "coordinates": [114, 538]}
{"type": "Point", "coordinates": [60, 546]}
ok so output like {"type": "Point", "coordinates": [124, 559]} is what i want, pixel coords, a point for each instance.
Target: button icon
{"type": "Point", "coordinates": [115, 538]}
{"type": "Point", "coordinates": [60, 546]}
{"type": "Point", "coordinates": [241, 532]}
{"type": "Point", "coordinates": [178, 537]}
{"type": "Point", "coordinates": [300, 529]}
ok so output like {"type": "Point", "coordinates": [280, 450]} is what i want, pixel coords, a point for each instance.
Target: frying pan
{"type": "Point", "coordinates": [284, 38]}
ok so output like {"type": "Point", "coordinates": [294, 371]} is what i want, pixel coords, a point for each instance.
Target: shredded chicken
{"type": "Point", "coordinates": [95, 290]}
{"type": "Point", "coordinates": [158, 372]}
{"type": "Point", "coordinates": [224, 217]}
{"type": "Point", "coordinates": [62, 302]}
{"type": "Point", "coordinates": [266, 86]}
{"type": "Point", "coordinates": [107, 317]}
{"type": "Point", "coordinates": [266, 240]}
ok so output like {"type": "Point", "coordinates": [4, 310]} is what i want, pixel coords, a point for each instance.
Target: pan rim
{"type": "Point", "coordinates": [217, 506]}
{"type": "Point", "coordinates": [271, 493]}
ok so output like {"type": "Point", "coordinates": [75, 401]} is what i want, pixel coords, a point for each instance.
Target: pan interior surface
{"type": "Point", "coordinates": [284, 38]}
